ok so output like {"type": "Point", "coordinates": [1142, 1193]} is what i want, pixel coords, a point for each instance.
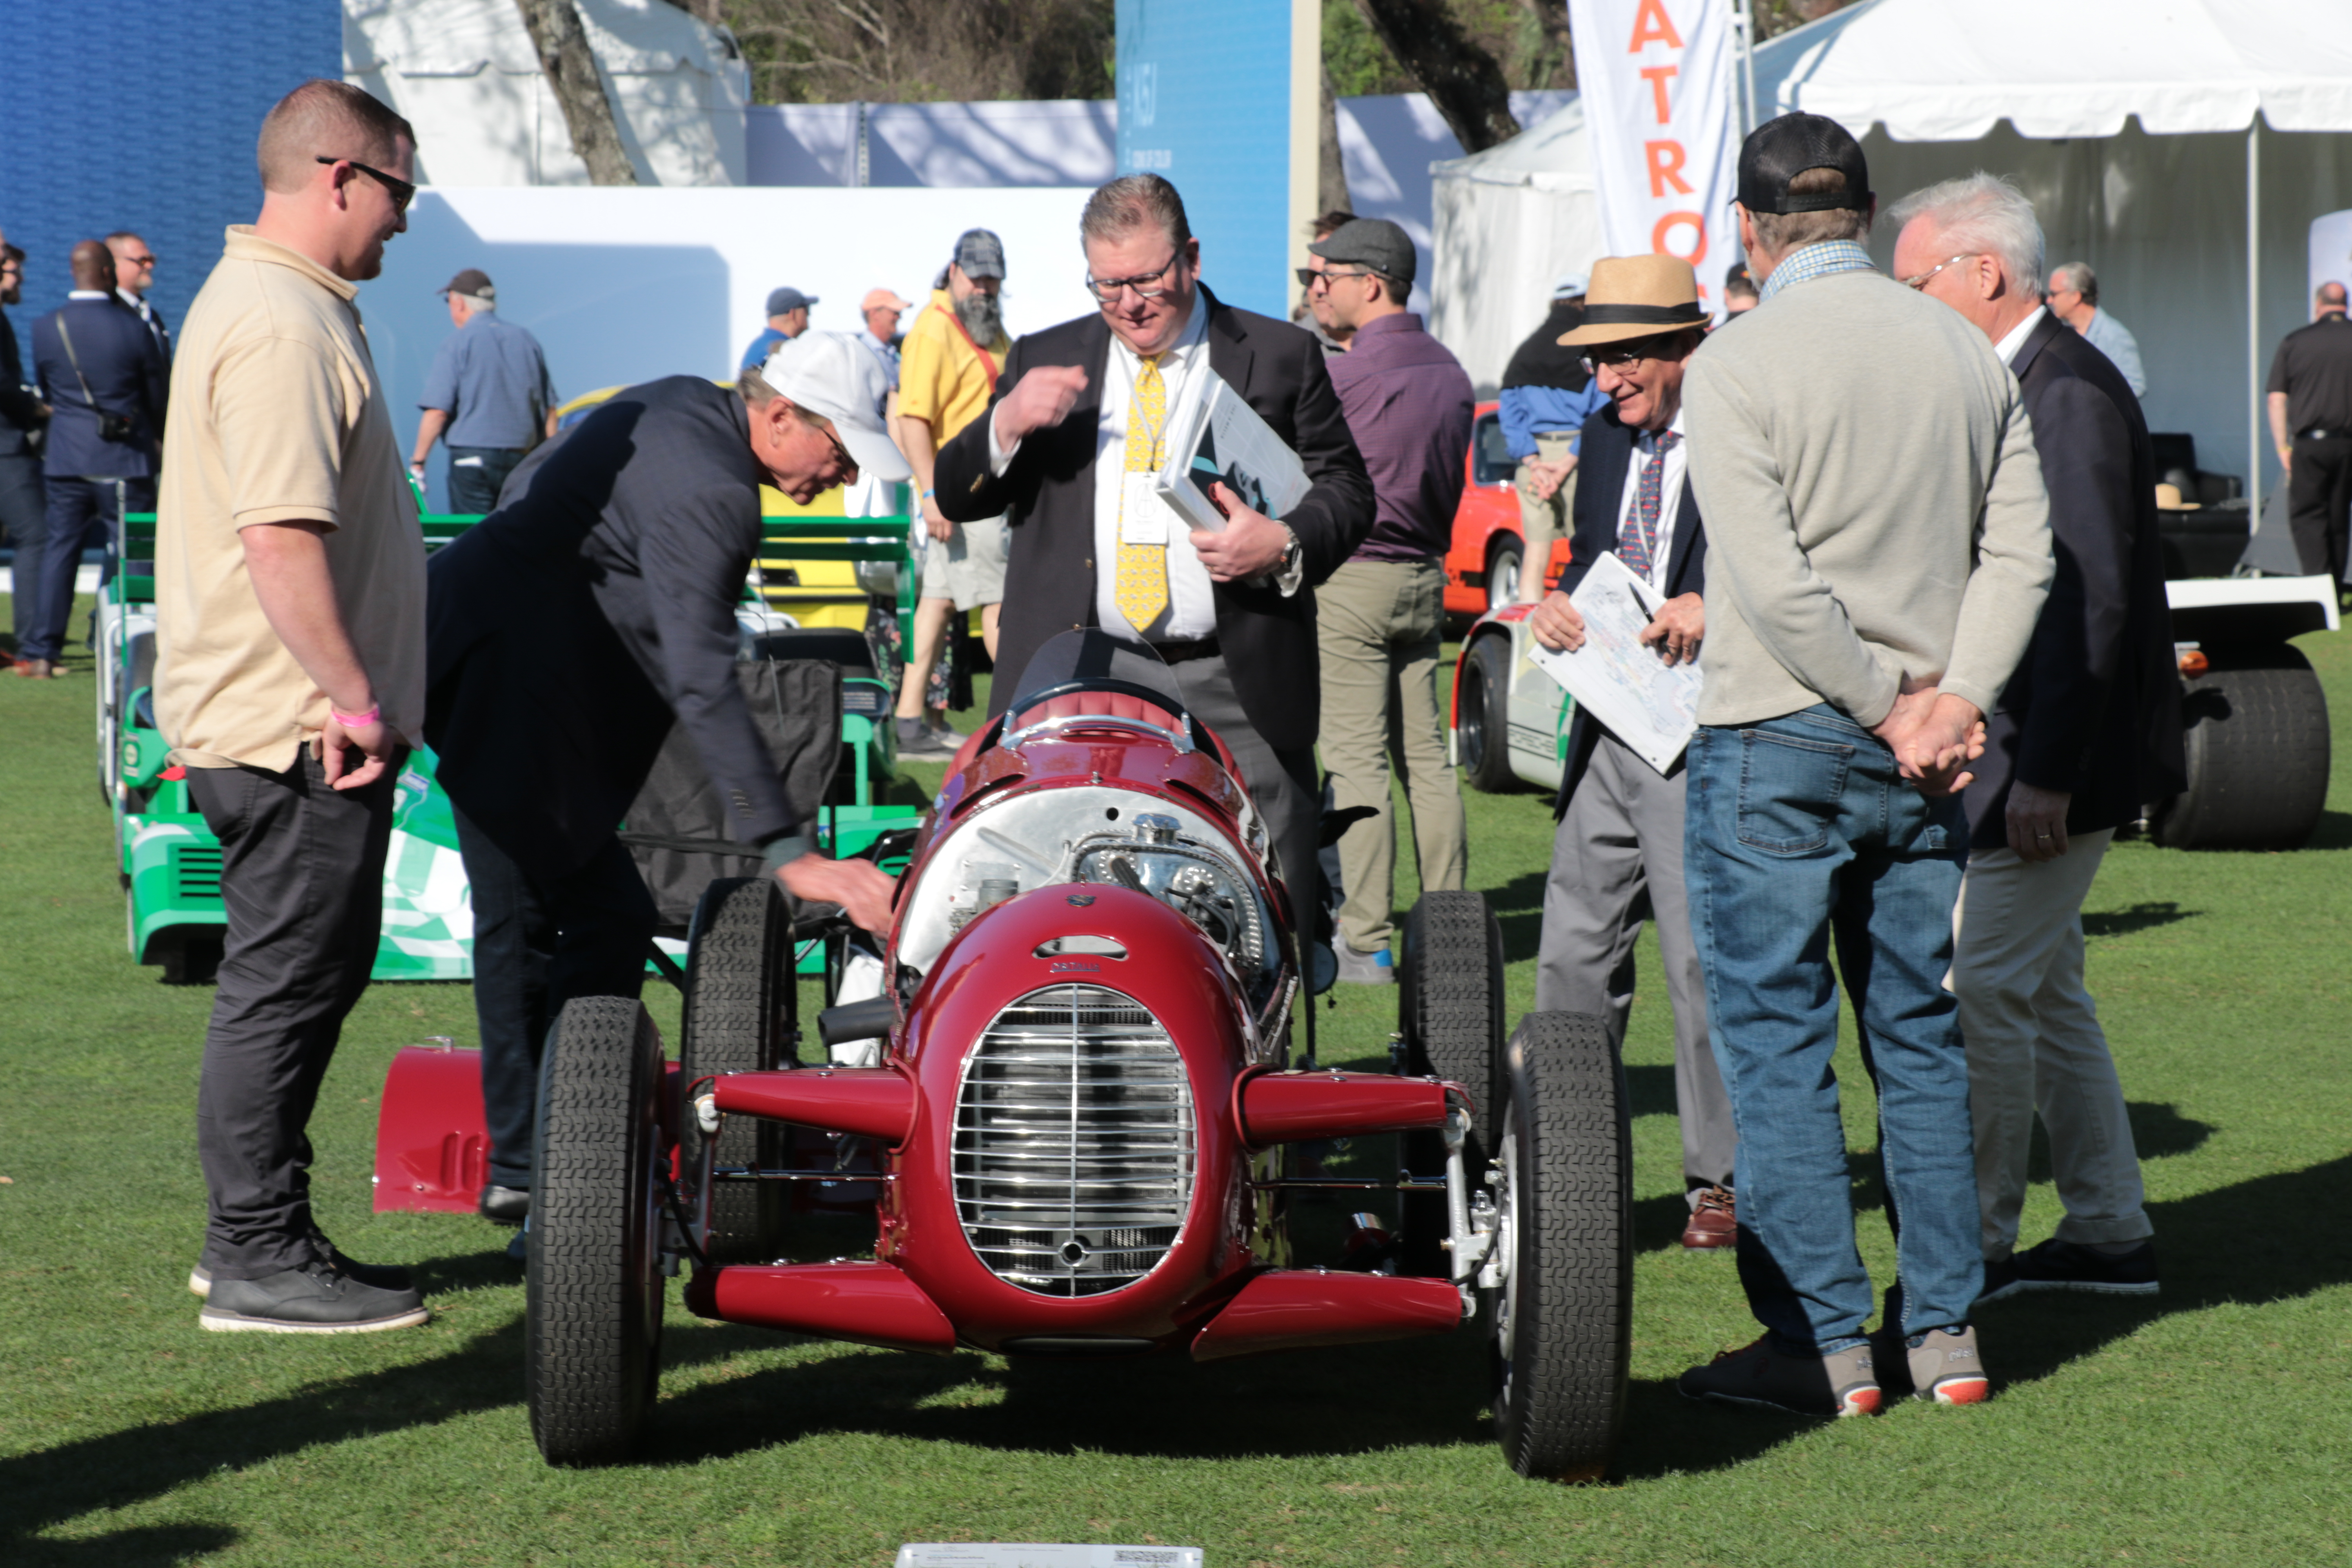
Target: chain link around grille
{"type": "Point", "coordinates": [1074, 1143]}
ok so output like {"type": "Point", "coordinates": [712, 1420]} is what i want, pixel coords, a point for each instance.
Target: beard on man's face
{"type": "Point", "coordinates": [980, 316]}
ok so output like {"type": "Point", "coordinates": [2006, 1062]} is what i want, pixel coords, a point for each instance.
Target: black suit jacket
{"type": "Point", "coordinates": [1603, 453]}
{"type": "Point", "coordinates": [2094, 706]}
{"type": "Point", "coordinates": [1048, 490]}
{"type": "Point", "coordinates": [20, 410]}
{"type": "Point", "coordinates": [565, 630]}
{"type": "Point", "coordinates": [126, 375]}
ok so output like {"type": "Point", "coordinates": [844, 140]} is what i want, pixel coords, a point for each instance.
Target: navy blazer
{"type": "Point", "coordinates": [566, 631]}
{"type": "Point", "coordinates": [124, 367]}
{"type": "Point", "coordinates": [2094, 706]}
{"type": "Point", "coordinates": [1048, 489]}
{"type": "Point", "coordinates": [1604, 452]}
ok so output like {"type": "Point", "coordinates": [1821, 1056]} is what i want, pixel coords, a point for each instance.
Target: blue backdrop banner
{"type": "Point", "coordinates": [1204, 101]}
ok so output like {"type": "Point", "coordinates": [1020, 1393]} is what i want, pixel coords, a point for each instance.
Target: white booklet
{"type": "Point", "coordinates": [1216, 435]}
{"type": "Point", "coordinates": [1650, 705]}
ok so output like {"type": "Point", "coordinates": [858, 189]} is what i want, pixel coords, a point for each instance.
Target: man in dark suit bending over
{"type": "Point", "coordinates": [566, 632]}
{"type": "Point", "coordinates": [2087, 732]}
{"type": "Point", "coordinates": [1617, 860]}
{"type": "Point", "coordinates": [1080, 416]}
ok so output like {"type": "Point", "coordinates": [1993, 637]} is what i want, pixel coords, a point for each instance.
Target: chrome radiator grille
{"type": "Point", "coordinates": [1074, 1143]}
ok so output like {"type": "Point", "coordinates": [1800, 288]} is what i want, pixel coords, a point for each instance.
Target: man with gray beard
{"type": "Point", "coordinates": [947, 372]}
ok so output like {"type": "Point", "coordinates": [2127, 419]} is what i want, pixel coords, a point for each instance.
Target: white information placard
{"type": "Point", "coordinates": [1650, 705]}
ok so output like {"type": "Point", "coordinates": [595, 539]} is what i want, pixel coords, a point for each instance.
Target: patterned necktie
{"type": "Point", "coordinates": [1141, 590]}
{"type": "Point", "coordinates": [1637, 536]}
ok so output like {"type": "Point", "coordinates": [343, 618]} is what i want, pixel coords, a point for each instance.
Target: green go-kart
{"type": "Point", "coordinates": [170, 863]}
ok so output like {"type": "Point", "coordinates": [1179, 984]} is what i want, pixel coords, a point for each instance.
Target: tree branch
{"type": "Point", "coordinates": [579, 88]}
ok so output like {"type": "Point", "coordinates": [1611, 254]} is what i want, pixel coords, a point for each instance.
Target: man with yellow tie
{"type": "Point", "coordinates": [1080, 417]}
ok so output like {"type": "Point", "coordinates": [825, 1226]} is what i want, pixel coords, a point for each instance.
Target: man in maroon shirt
{"type": "Point", "coordinates": [1381, 616]}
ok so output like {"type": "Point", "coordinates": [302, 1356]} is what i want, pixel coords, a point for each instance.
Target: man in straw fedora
{"type": "Point", "coordinates": [1617, 858]}
{"type": "Point", "coordinates": [1880, 549]}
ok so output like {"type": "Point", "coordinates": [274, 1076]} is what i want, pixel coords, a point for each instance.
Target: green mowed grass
{"type": "Point", "coordinates": [2205, 1426]}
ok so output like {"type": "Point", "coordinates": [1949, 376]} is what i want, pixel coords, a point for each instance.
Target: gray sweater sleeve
{"type": "Point", "coordinates": [1754, 555]}
{"type": "Point", "coordinates": [2013, 568]}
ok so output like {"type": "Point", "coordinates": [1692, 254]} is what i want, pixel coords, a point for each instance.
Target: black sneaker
{"type": "Point", "coordinates": [313, 1300]}
{"type": "Point", "coordinates": [2058, 1265]}
{"type": "Point", "coordinates": [503, 1205]}
{"type": "Point", "coordinates": [383, 1276]}
{"type": "Point", "coordinates": [920, 740]}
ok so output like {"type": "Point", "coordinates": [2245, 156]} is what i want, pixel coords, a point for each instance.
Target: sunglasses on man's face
{"type": "Point", "coordinates": [401, 192]}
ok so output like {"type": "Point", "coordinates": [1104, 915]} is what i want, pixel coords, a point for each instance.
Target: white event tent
{"type": "Point", "coordinates": [2181, 147]}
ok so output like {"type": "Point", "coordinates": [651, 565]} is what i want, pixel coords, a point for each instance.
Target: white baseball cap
{"type": "Point", "coordinates": [832, 376]}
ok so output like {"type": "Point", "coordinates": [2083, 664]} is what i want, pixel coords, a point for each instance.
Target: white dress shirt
{"type": "Point", "coordinates": [1191, 612]}
{"type": "Point", "coordinates": [1670, 495]}
{"type": "Point", "coordinates": [2007, 348]}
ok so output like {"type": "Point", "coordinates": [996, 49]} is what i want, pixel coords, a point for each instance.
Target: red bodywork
{"type": "Point", "coordinates": [1488, 513]}
{"type": "Point", "coordinates": [1217, 1289]}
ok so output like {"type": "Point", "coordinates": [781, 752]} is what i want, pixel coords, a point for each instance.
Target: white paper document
{"type": "Point", "coordinates": [1215, 437]}
{"type": "Point", "coordinates": [1650, 705]}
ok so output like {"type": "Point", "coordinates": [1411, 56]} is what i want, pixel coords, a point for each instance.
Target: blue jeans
{"type": "Point", "coordinates": [476, 474]}
{"type": "Point", "coordinates": [1799, 829]}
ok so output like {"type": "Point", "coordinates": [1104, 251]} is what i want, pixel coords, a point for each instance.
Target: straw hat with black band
{"type": "Point", "coordinates": [1635, 297]}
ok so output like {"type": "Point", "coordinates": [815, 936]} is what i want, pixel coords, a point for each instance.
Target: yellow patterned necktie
{"type": "Point", "coordinates": [1141, 590]}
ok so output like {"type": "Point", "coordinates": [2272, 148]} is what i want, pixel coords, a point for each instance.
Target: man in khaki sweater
{"type": "Point", "coordinates": [1879, 550]}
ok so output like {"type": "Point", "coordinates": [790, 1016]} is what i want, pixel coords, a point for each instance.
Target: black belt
{"type": "Point", "coordinates": [1190, 648]}
{"type": "Point", "coordinates": [2316, 434]}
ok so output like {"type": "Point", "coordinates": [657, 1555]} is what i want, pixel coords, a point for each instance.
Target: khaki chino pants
{"type": "Point", "coordinates": [2034, 1043]}
{"type": "Point", "coordinates": [1381, 626]}
{"type": "Point", "coordinates": [1543, 520]}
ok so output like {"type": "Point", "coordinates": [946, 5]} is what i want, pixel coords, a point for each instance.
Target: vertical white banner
{"type": "Point", "coordinates": [1655, 76]}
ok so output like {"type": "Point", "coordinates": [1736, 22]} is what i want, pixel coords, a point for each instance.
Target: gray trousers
{"type": "Point", "coordinates": [302, 875]}
{"type": "Point", "coordinates": [1616, 862]}
{"type": "Point", "coordinates": [1280, 780]}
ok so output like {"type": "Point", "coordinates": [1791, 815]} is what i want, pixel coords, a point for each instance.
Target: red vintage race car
{"type": "Point", "coordinates": [1068, 1092]}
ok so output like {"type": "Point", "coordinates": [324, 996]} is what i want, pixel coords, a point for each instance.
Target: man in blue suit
{"type": "Point", "coordinates": [1617, 858]}
{"type": "Point", "coordinates": [103, 371]}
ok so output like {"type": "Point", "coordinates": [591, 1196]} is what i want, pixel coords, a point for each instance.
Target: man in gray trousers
{"type": "Point", "coordinates": [1617, 860]}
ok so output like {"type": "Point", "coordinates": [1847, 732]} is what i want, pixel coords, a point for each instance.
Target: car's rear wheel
{"type": "Point", "coordinates": [1449, 1012]}
{"type": "Point", "coordinates": [2257, 741]}
{"type": "Point", "coordinates": [593, 1284]}
{"type": "Point", "coordinates": [1483, 722]}
{"type": "Point", "coordinates": [1504, 564]}
{"type": "Point", "coordinates": [741, 1003]}
{"type": "Point", "coordinates": [1561, 1321]}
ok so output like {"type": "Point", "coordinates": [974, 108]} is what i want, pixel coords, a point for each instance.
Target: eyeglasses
{"type": "Point", "coordinates": [401, 192]}
{"type": "Point", "coordinates": [1309, 278]}
{"type": "Point", "coordinates": [139, 261]}
{"type": "Point", "coordinates": [1617, 356]}
{"type": "Point", "coordinates": [840, 452]}
{"type": "Point", "coordinates": [1921, 282]}
{"type": "Point", "coordinates": [1107, 289]}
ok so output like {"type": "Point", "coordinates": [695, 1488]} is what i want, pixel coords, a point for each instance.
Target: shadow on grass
{"type": "Point", "coordinates": [148, 1546]}
{"type": "Point", "coordinates": [2138, 917]}
{"type": "Point", "coordinates": [2334, 832]}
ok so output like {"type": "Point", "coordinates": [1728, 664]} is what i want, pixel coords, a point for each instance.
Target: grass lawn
{"type": "Point", "coordinates": [2207, 1425]}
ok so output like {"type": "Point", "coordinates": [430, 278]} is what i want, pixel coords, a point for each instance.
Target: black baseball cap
{"type": "Point", "coordinates": [1778, 151]}
{"type": "Point", "coordinates": [1372, 242]}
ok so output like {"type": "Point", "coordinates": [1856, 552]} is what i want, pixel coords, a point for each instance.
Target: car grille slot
{"type": "Point", "coordinates": [1074, 1143]}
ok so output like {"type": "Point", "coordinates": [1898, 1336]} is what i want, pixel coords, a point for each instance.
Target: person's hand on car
{"type": "Point", "coordinates": [862, 888]}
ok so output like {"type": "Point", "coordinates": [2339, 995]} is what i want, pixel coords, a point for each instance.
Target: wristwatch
{"type": "Point", "coordinates": [1294, 552]}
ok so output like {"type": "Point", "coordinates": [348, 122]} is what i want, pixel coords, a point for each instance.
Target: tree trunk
{"type": "Point", "coordinates": [1463, 80]}
{"type": "Point", "coordinates": [578, 89]}
{"type": "Point", "coordinates": [1331, 174]}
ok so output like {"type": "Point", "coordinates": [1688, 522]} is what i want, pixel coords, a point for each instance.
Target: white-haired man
{"type": "Point", "coordinates": [2074, 299]}
{"type": "Point", "coordinates": [2086, 732]}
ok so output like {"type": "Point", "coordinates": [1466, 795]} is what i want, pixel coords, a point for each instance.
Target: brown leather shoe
{"type": "Point", "coordinates": [1714, 1223]}
{"type": "Point", "coordinates": [37, 668]}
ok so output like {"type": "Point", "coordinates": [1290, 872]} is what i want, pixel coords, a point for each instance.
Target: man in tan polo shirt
{"type": "Point", "coordinates": [290, 598]}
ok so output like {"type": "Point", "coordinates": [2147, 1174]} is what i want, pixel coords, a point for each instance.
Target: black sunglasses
{"type": "Point", "coordinates": [401, 192]}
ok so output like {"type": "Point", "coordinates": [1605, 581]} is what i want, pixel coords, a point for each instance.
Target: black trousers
{"type": "Point", "coordinates": [302, 874]}
{"type": "Point", "coordinates": [25, 521]}
{"type": "Point", "coordinates": [476, 474]}
{"type": "Point", "coordinates": [536, 946]}
{"type": "Point", "coordinates": [2319, 503]}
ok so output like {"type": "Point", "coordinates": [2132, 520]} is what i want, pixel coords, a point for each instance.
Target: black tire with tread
{"type": "Point", "coordinates": [1450, 1012]}
{"type": "Point", "coordinates": [593, 1286]}
{"type": "Point", "coordinates": [1486, 717]}
{"type": "Point", "coordinates": [741, 1004]}
{"type": "Point", "coordinates": [2257, 740]}
{"type": "Point", "coordinates": [1560, 1398]}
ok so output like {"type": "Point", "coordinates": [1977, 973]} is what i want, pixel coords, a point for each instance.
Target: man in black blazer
{"type": "Point", "coordinates": [1617, 855]}
{"type": "Point", "coordinates": [24, 505]}
{"type": "Point", "coordinates": [2086, 733]}
{"type": "Point", "coordinates": [100, 368]}
{"type": "Point", "coordinates": [1081, 406]}
{"type": "Point", "coordinates": [566, 633]}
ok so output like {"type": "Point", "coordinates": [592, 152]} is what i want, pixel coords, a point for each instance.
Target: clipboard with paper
{"type": "Point", "coordinates": [1650, 705]}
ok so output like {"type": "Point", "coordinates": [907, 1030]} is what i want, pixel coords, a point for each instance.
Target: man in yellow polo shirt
{"type": "Point", "coordinates": [289, 609]}
{"type": "Point", "coordinates": [947, 372]}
